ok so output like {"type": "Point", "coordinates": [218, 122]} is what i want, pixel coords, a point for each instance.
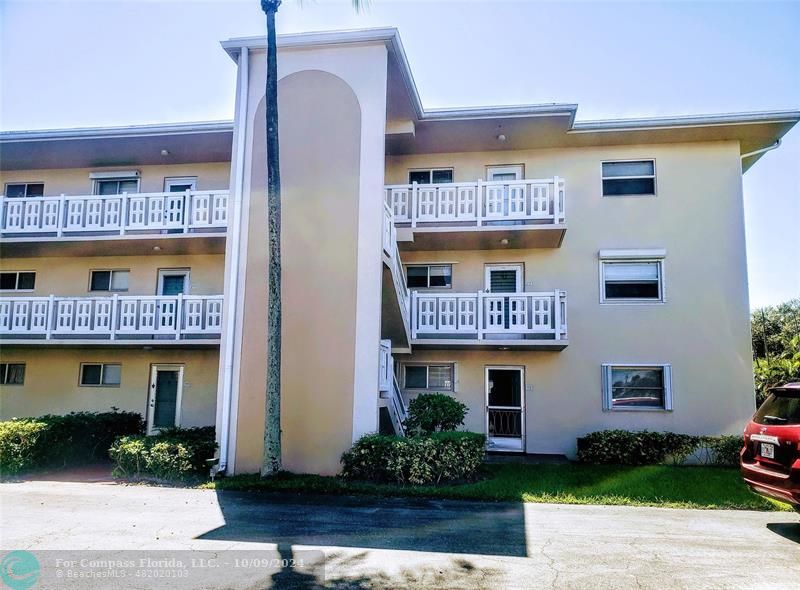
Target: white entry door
{"type": "Point", "coordinates": [505, 408]}
{"type": "Point", "coordinates": [164, 397]}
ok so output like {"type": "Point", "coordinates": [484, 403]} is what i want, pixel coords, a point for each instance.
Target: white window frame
{"type": "Point", "coordinates": [427, 364]}
{"type": "Point", "coordinates": [102, 374]}
{"type": "Point", "coordinates": [4, 373]}
{"type": "Point", "coordinates": [517, 266]}
{"type": "Point", "coordinates": [428, 267]}
{"type": "Point", "coordinates": [171, 180]}
{"type": "Point", "coordinates": [430, 172]}
{"type": "Point", "coordinates": [98, 177]}
{"type": "Point", "coordinates": [186, 273]}
{"type": "Point", "coordinates": [607, 386]}
{"type": "Point", "coordinates": [654, 176]}
{"type": "Point", "coordinates": [517, 169]}
{"type": "Point", "coordinates": [16, 289]}
{"type": "Point", "coordinates": [25, 196]}
{"type": "Point", "coordinates": [110, 280]}
{"type": "Point", "coordinates": [634, 256]}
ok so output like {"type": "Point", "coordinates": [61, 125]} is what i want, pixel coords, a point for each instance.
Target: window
{"type": "Point", "coordinates": [116, 186]}
{"type": "Point", "coordinates": [494, 173]}
{"type": "Point", "coordinates": [108, 280]}
{"type": "Point", "coordinates": [433, 176]}
{"type": "Point", "coordinates": [12, 373]}
{"type": "Point", "coordinates": [637, 387]}
{"type": "Point", "coordinates": [24, 189]}
{"type": "Point", "coordinates": [100, 375]}
{"type": "Point", "coordinates": [431, 377]}
{"type": "Point", "coordinates": [424, 276]}
{"type": "Point", "coordinates": [173, 281]}
{"type": "Point", "coordinates": [633, 178]}
{"type": "Point", "coordinates": [180, 185]}
{"type": "Point", "coordinates": [17, 280]}
{"type": "Point", "coordinates": [632, 276]}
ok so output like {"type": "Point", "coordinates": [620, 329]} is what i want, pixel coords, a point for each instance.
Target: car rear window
{"type": "Point", "coordinates": [779, 410]}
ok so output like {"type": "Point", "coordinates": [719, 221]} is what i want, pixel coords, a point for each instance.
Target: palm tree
{"type": "Point", "coordinates": [272, 421]}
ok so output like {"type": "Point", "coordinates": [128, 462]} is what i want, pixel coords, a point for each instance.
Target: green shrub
{"type": "Point", "coordinates": [625, 447]}
{"type": "Point", "coordinates": [174, 453]}
{"type": "Point", "coordinates": [58, 441]}
{"type": "Point", "coordinates": [19, 445]}
{"type": "Point", "coordinates": [429, 459]}
{"type": "Point", "coordinates": [434, 412]}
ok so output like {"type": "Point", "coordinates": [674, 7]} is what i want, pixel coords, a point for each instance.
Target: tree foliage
{"type": "Point", "coordinates": [776, 346]}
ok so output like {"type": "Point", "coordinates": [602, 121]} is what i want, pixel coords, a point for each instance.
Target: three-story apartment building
{"type": "Point", "coordinates": [556, 276]}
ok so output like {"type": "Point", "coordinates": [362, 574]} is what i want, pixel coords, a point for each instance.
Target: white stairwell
{"type": "Point", "coordinates": [390, 389]}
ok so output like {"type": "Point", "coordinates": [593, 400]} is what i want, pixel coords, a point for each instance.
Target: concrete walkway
{"type": "Point", "coordinates": [412, 544]}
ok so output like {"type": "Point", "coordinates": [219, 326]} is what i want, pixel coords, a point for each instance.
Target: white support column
{"type": "Point", "coordinates": [50, 316]}
{"type": "Point", "coordinates": [413, 204]}
{"type": "Point", "coordinates": [114, 313]}
{"type": "Point", "coordinates": [414, 318]}
{"type": "Point", "coordinates": [179, 316]}
{"type": "Point", "coordinates": [479, 312]}
{"type": "Point", "coordinates": [557, 313]}
{"type": "Point", "coordinates": [61, 214]}
{"type": "Point", "coordinates": [123, 213]}
{"type": "Point", "coordinates": [479, 202]}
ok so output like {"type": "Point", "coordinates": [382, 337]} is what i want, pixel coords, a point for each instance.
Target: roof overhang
{"type": "Point", "coordinates": [116, 146]}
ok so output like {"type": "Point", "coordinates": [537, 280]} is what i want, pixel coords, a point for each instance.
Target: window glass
{"type": "Point", "coordinates": [440, 377]}
{"type": "Point", "coordinates": [12, 373]}
{"type": "Point", "coordinates": [417, 277]}
{"type": "Point", "coordinates": [440, 276]}
{"type": "Point", "coordinates": [26, 280]}
{"type": "Point", "coordinates": [119, 280]}
{"type": "Point", "coordinates": [117, 186]}
{"type": "Point", "coordinates": [441, 176]}
{"type": "Point", "coordinates": [629, 178]}
{"type": "Point", "coordinates": [15, 190]}
{"type": "Point", "coordinates": [25, 189]}
{"type": "Point", "coordinates": [419, 176]}
{"type": "Point", "coordinates": [416, 377]}
{"type": "Point", "coordinates": [90, 374]}
{"type": "Point", "coordinates": [779, 409]}
{"type": "Point", "coordinates": [172, 284]}
{"type": "Point", "coordinates": [8, 280]}
{"type": "Point", "coordinates": [100, 280]}
{"type": "Point", "coordinates": [637, 387]}
{"type": "Point", "coordinates": [632, 280]}
{"type": "Point", "coordinates": [112, 374]}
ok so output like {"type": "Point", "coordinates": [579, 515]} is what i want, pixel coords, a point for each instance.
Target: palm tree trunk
{"type": "Point", "coordinates": [272, 420]}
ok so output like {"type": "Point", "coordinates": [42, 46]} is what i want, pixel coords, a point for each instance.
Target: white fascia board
{"type": "Point", "coordinates": [119, 131]}
{"type": "Point", "coordinates": [645, 124]}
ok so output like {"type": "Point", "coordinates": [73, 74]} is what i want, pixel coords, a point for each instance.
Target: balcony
{"type": "Point", "coordinates": [26, 223]}
{"type": "Point", "coordinates": [118, 320]}
{"type": "Point", "coordinates": [479, 215]}
{"type": "Point", "coordinates": [498, 321]}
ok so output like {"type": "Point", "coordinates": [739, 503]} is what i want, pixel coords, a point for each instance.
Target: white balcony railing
{"type": "Point", "coordinates": [134, 213]}
{"type": "Point", "coordinates": [484, 316]}
{"type": "Point", "coordinates": [392, 252]}
{"type": "Point", "coordinates": [478, 203]}
{"type": "Point", "coordinates": [119, 317]}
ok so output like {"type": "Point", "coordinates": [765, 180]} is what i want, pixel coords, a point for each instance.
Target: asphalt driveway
{"type": "Point", "coordinates": [396, 543]}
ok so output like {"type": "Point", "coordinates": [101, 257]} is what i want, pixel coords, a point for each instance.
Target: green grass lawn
{"type": "Point", "coordinates": [651, 485]}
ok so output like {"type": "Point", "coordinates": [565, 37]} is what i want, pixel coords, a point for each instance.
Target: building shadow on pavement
{"type": "Point", "coordinates": [788, 530]}
{"type": "Point", "coordinates": [480, 528]}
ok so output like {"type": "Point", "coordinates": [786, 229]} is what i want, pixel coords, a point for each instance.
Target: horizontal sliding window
{"type": "Point", "coordinates": [12, 373]}
{"type": "Point", "coordinates": [24, 189]}
{"type": "Point", "coordinates": [116, 186]}
{"type": "Point", "coordinates": [100, 374]}
{"type": "Point", "coordinates": [431, 377]}
{"type": "Point", "coordinates": [431, 176]}
{"type": "Point", "coordinates": [17, 280]}
{"type": "Point", "coordinates": [423, 276]}
{"type": "Point", "coordinates": [637, 387]}
{"type": "Point", "coordinates": [632, 178]}
{"type": "Point", "coordinates": [109, 280]}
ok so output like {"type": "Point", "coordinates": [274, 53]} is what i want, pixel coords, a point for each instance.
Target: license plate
{"type": "Point", "coordinates": [767, 451]}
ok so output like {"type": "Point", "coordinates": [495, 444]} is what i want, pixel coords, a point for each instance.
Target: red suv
{"type": "Point", "coordinates": [770, 458]}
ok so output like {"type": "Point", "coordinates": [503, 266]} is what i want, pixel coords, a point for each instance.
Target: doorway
{"type": "Point", "coordinates": [164, 397]}
{"type": "Point", "coordinates": [172, 281]}
{"type": "Point", "coordinates": [505, 408]}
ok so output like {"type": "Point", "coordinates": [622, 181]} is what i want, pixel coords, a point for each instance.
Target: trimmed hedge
{"type": "Point", "coordinates": [431, 459]}
{"type": "Point", "coordinates": [434, 412]}
{"type": "Point", "coordinates": [174, 453]}
{"type": "Point", "coordinates": [625, 447]}
{"type": "Point", "coordinates": [60, 441]}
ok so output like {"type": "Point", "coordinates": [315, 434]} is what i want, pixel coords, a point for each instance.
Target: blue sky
{"type": "Point", "coordinates": [77, 63]}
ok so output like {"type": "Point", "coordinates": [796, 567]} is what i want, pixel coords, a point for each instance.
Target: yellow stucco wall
{"type": "Point", "coordinates": [703, 328]}
{"type": "Point", "coordinates": [76, 181]}
{"type": "Point", "coordinates": [52, 376]}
